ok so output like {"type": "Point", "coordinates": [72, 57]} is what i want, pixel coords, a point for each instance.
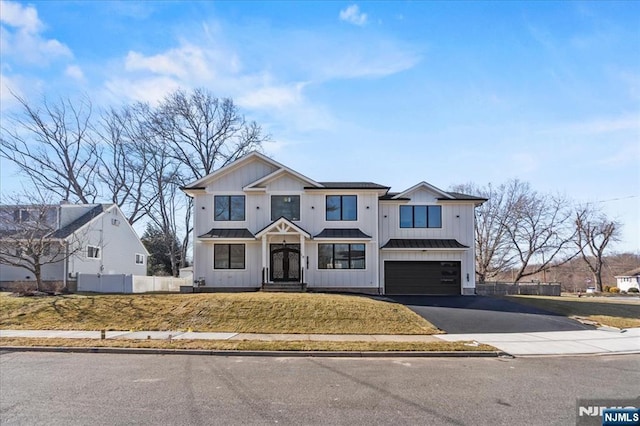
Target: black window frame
{"type": "Point", "coordinates": [229, 263]}
{"type": "Point", "coordinates": [293, 219]}
{"type": "Point", "coordinates": [350, 258]}
{"type": "Point", "coordinates": [341, 219]}
{"type": "Point", "coordinates": [229, 212]}
{"type": "Point", "coordinates": [413, 216]}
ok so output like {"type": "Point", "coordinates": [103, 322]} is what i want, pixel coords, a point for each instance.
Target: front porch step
{"type": "Point", "coordinates": [284, 287]}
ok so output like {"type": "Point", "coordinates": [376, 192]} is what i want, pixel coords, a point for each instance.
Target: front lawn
{"type": "Point", "coordinates": [610, 312]}
{"type": "Point", "coordinates": [217, 312]}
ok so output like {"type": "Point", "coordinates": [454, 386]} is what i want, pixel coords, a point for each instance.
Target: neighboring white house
{"type": "Point", "coordinates": [630, 279]}
{"type": "Point", "coordinates": [98, 235]}
{"type": "Point", "coordinates": [258, 223]}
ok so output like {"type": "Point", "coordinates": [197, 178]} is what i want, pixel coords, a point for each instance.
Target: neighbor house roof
{"type": "Point", "coordinates": [66, 231]}
{"type": "Point", "coordinates": [228, 233]}
{"type": "Point", "coordinates": [346, 233]}
{"type": "Point", "coordinates": [631, 273]}
{"type": "Point", "coordinates": [411, 243]}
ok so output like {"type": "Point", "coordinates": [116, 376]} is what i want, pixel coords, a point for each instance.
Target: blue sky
{"type": "Point", "coordinates": [391, 92]}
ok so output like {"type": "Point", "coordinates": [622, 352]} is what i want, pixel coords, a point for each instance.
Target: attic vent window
{"type": "Point", "coordinates": [115, 222]}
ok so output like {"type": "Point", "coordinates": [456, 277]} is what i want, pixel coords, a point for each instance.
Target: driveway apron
{"type": "Point", "coordinates": [482, 314]}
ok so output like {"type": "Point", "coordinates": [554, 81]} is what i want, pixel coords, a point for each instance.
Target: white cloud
{"type": "Point", "coordinates": [273, 96]}
{"type": "Point", "coordinates": [17, 16]}
{"type": "Point", "coordinates": [353, 15]}
{"type": "Point", "coordinates": [21, 39]}
{"type": "Point", "coordinates": [75, 72]}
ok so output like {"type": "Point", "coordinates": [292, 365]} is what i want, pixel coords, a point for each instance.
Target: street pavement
{"type": "Point", "coordinates": [600, 341]}
{"type": "Point", "coordinates": [113, 389]}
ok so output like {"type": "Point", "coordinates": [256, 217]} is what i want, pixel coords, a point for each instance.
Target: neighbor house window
{"type": "Point", "coordinates": [229, 207]}
{"type": "Point", "coordinates": [341, 256]}
{"type": "Point", "coordinates": [139, 259]}
{"type": "Point", "coordinates": [93, 252]}
{"type": "Point", "coordinates": [420, 217]}
{"type": "Point", "coordinates": [285, 206]}
{"type": "Point", "coordinates": [228, 256]}
{"type": "Point", "coordinates": [342, 207]}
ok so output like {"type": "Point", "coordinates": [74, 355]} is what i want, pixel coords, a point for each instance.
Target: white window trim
{"type": "Point", "coordinates": [95, 247]}
{"type": "Point", "coordinates": [143, 259]}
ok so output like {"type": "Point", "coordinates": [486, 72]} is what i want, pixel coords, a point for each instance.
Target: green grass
{"type": "Point", "coordinates": [218, 312]}
{"type": "Point", "coordinates": [613, 313]}
{"type": "Point", "coordinates": [250, 345]}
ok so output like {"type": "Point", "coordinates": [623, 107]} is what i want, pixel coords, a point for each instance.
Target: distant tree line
{"type": "Point", "coordinates": [135, 155]}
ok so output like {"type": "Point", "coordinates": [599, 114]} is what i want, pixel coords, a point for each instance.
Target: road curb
{"type": "Point", "coordinates": [298, 354]}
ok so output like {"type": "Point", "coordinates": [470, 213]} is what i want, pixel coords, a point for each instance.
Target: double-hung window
{"type": "Point", "coordinates": [341, 256]}
{"type": "Point", "coordinates": [229, 207]}
{"type": "Point", "coordinates": [420, 216]}
{"type": "Point", "coordinates": [285, 206]}
{"type": "Point", "coordinates": [342, 207]}
{"type": "Point", "coordinates": [228, 256]}
{"type": "Point", "coordinates": [139, 259]}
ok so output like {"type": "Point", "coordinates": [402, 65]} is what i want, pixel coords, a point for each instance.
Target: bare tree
{"type": "Point", "coordinates": [205, 132]}
{"type": "Point", "coordinates": [28, 236]}
{"type": "Point", "coordinates": [541, 233]}
{"type": "Point", "coordinates": [594, 232]}
{"type": "Point", "coordinates": [53, 146]}
{"type": "Point", "coordinates": [494, 252]}
{"type": "Point", "coordinates": [124, 164]}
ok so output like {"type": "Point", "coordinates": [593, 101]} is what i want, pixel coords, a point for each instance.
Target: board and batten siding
{"type": "Point", "coordinates": [249, 277]}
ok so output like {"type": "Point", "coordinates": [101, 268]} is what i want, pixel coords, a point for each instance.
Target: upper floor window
{"type": "Point", "coordinates": [342, 207]}
{"type": "Point", "coordinates": [285, 206]}
{"type": "Point", "coordinates": [139, 259]}
{"type": "Point", "coordinates": [229, 207]}
{"type": "Point", "coordinates": [420, 216]}
{"type": "Point", "coordinates": [93, 252]}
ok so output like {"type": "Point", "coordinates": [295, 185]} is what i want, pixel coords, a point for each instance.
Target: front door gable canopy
{"type": "Point", "coordinates": [283, 226]}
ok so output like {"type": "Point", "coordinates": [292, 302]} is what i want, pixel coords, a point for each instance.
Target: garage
{"type": "Point", "coordinates": [418, 277]}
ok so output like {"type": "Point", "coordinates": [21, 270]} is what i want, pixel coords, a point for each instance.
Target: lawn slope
{"type": "Point", "coordinates": [218, 312]}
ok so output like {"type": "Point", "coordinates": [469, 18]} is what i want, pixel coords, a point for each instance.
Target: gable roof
{"type": "Point", "coordinates": [74, 226]}
{"type": "Point", "coordinates": [280, 225]}
{"type": "Point", "coordinates": [426, 186]}
{"type": "Point", "coordinates": [255, 186]}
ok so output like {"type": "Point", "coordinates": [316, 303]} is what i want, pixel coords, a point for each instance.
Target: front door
{"type": "Point", "coordinates": [285, 262]}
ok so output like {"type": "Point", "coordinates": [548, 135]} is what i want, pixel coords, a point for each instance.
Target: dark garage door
{"type": "Point", "coordinates": [410, 277]}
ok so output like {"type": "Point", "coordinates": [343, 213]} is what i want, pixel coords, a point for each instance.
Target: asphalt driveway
{"type": "Point", "coordinates": [483, 314]}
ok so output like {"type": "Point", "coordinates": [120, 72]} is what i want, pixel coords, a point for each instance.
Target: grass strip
{"type": "Point", "coordinates": [250, 345]}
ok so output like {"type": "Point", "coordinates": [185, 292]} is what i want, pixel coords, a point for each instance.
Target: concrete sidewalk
{"type": "Point", "coordinates": [600, 341]}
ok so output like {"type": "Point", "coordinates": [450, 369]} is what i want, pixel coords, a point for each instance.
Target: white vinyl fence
{"type": "Point", "coordinates": [121, 283]}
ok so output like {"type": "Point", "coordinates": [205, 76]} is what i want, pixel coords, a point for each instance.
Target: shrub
{"type": "Point", "coordinates": [614, 290]}
{"type": "Point", "coordinates": [633, 290]}
{"type": "Point", "coordinates": [606, 288]}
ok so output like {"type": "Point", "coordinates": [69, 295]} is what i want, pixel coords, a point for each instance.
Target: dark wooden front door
{"type": "Point", "coordinates": [285, 262]}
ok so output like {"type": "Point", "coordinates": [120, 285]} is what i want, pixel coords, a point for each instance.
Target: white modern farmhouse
{"type": "Point", "coordinates": [259, 224]}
